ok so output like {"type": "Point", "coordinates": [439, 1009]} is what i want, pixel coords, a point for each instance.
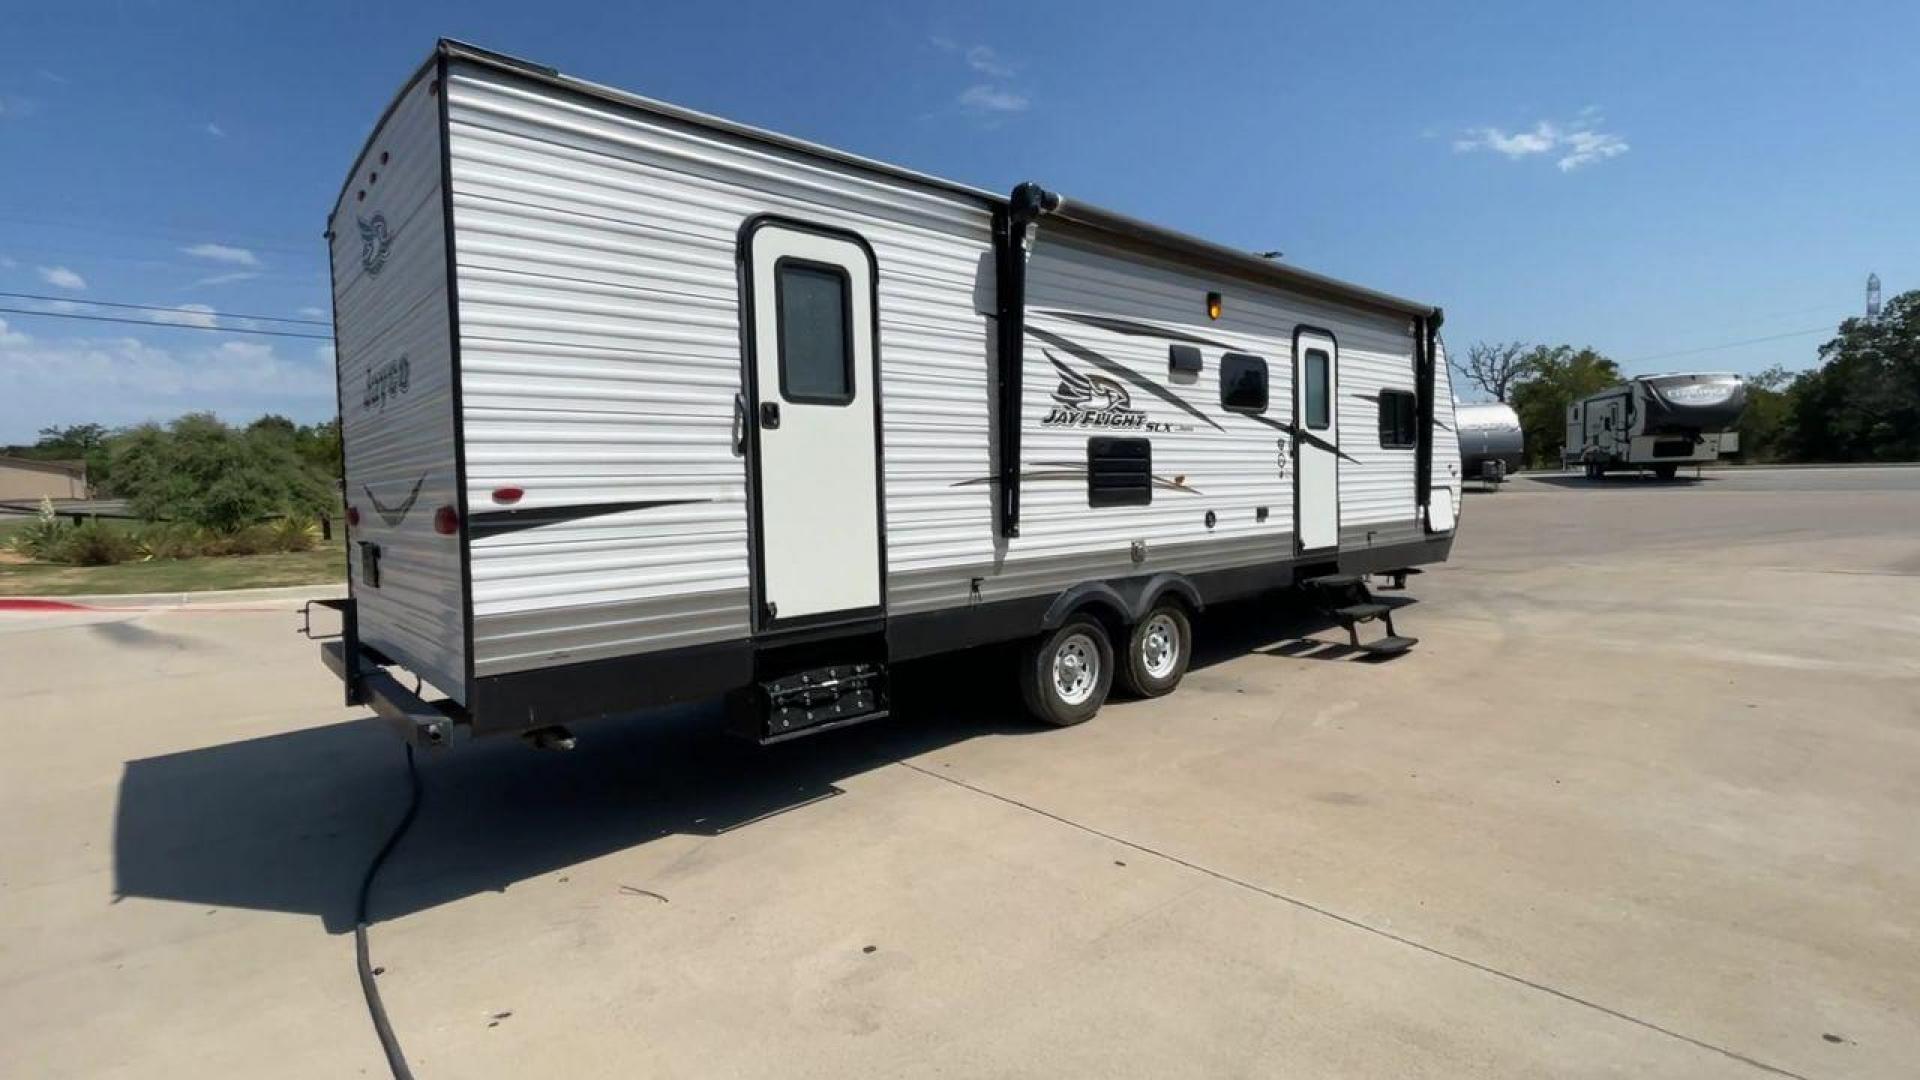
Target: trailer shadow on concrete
{"type": "Point", "coordinates": [1620, 481]}
{"type": "Point", "coordinates": [287, 822]}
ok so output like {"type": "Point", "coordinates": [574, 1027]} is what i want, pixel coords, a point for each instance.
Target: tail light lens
{"type": "Point", "coordinates": [507, 496]}
{"type": "Point", "coordinates": [446, 521]}
{"type": "Point", "coordinates": [353, 516]}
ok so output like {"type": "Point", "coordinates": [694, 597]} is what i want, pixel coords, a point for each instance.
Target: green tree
{"type": "Point", "coordinates": [1863, 402]}
{"type": "Point", "coordinates": [203, 472]}
{"type": "Point", "coordinates": [1766, 426]}
{"type": "Point", "coordinates": [1555, 378]}
{"type": "Point", "coordinates": [77, 442]}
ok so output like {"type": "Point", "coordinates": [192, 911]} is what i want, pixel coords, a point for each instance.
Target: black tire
{"type": "Point", "coordinates": [1159, 648]}
{"type": "Point", "coordinates": [1666, 472]}
{"type": "Point", "coordinates": [1042, 690]}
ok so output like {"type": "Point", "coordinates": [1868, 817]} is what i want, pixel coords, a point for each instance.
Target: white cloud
{"type": "Point", "coordinates": [188, 315]}
{"type": "Point", "coordinates": [238, 256]}
{"type": "Point", "coordinates": [62, 278]}
{"type": "Point", "coordinates": [985, 98]}
{"type": "Point", "coordinates": [215, 130]}
{"type": "Point", "coordinates": [992, 97]}
{"type": "Point", "coordinates": [123, 380]}
{"type": "Point", "coordinates": [987, 62]}
{"type": "Point", "coordinates": [226, 279]}
{"type": "Point", "coordinates": [1573, 146]}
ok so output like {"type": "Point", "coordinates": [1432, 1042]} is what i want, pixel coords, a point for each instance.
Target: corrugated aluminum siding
{"type": "Point", "coordinates": [601, 355]}
{"type": "Point", "coordinates": [390, 312]}
{"type": "Point", "coordinates": [1447, 478]}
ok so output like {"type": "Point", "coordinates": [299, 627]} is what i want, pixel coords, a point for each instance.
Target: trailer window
{"type": "Point", "coordinates": [1397, 424]}
{"type": "Point", "coordinates": [1319, 409]}
{"type": "Point", "coordinates": [815, 313]}
{"type": "Point", "coordinates": [1243, 383]}
{"type": "Point", "coordinates": [1119, 471]}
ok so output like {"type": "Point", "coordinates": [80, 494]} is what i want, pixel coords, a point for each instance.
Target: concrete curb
{"type": "Point", "coordinates": [215, 597]}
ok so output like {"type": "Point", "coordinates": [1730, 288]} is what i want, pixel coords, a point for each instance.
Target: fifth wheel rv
{"type": "Point", "coordinates": [642, 406]}
{"type": "Point", "coordinates": [1656, 422]}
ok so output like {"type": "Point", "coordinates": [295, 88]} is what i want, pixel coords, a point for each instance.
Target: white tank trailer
{"type": "Point", "coordinates": [1491, 445]}
{"type": "Point", "coordinates": [1656, 423]}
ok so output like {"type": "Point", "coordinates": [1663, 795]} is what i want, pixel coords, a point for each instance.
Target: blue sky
{"type": "Point", "coordinates": [1647, 179]}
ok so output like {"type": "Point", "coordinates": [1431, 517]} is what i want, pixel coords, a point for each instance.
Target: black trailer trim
{"type": "Point", "coordinates": [517, 701]}
{"type": "Point", "coordinates": [1010, 224]}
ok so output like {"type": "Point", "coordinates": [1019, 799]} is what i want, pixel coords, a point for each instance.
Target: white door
{"type": "Point", "coordinates": [1316, 426]}
{"type": "Point", "coordinates": [814, 403]}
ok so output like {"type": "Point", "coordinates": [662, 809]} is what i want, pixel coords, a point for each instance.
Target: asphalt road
{"type": "Point", "coordinates": [1641, 803]}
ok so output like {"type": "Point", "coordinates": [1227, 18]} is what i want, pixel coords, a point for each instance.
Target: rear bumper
{"type": "Point", "coordinates": [365, 677]}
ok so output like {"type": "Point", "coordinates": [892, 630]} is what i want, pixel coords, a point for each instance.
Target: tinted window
{"type": "Point", "coordinates": [1397, 424]}
{"type": "Point", "coordinates": [816, 332]}
{"type": "Point", "coordinates": [1119, 471]}
{"type": "Point", "coordinates": [1319, 408]}
{"type": "Point", "coordinates": [1243, 383]}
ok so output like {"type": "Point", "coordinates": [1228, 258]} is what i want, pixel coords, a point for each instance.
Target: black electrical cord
{"type": "Point", "coordinates": [396, 1060]}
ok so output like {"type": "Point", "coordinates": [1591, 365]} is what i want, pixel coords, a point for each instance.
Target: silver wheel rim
{"type": "Point", "coordinates": [1160, 646]}
{"type": "Point", "coordinates": [1076, 669]}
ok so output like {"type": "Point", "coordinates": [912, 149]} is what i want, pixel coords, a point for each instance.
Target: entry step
{"type": "Point", "coordinates": [1359, 613]}
{"type": "Point", "coordinates": [1333, 581]}
{"type": "Point", "coordinates": [1388, 646]}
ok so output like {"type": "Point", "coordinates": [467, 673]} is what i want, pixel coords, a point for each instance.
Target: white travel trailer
{"type": "Point", "coordinates": [643, 406]}
{"type": "Point", "coordinates": [1492, 443]}
{"type": "Point", "coordinates": [1656, 422]}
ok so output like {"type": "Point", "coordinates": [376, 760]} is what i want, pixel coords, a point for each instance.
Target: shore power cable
{"type": "Point", "coordinates": [396, 1059]}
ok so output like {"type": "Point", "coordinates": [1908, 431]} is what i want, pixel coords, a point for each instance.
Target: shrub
{"type": "Point", "coordinates": [38, 540]}
{"type": "Point", "coordinates": [167, 540]}
{"type": "Point", "coordinates": [252, 540]}
{"type": "Point", "coordinates": [295, 532]}
{"type": "Point", "coordinates": [93, 543]}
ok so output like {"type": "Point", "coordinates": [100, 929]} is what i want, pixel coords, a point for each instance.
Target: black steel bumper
{"type": "Point", "coordinates": [364, 675]}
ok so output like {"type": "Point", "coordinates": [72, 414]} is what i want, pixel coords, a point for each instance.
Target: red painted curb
{"type": "Point", "coordinates": [40, 605]}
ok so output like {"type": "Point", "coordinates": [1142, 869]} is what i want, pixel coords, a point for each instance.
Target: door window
{"type": "Point", "coordinates": [816, 332]}
{"type": "Point", "coordinates": [1319, 407]}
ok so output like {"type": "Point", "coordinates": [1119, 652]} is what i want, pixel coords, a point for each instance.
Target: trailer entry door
{"type": "Point", "coordinates": [813, 400]}
{"type": "Point", "coordinates": [1316, 443]}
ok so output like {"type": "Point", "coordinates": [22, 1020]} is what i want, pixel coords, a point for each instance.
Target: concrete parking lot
{"type": "Point", "coordinates": [1644, 801]}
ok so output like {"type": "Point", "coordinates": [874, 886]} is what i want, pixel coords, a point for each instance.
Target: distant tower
{"type": "Point", "coordinates": [1873, 297]}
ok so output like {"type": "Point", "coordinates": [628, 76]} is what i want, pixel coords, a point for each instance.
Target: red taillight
{"type": "Point", "coordinates": [507, 496]}
{"type": "Point", "coordinates": [353, 516]}
{"type": "Point", "coordinates": [446, 521]}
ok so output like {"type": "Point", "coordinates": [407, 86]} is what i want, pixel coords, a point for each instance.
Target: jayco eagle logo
{"type": "Point", "coordinates": [1083, 400]}
{"type": "Point", "coordinates": [374, 243]}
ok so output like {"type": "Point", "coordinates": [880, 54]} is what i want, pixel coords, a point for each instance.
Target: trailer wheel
{"type": "Point", "coordinates": [1158, 651]}
{"type": "Point", "coordinates": [1666, 472]}
{"type": "Point", "coordinates": [1065, 675]}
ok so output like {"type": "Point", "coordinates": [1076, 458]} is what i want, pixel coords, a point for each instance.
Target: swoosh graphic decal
{"type": "Point", "coordinates": [394, 515]}
{"type": "Point", "coordinates": [1135, 329]}
{"type": "Point", "coordinates": [1064, 470]}
{"type": "Point", "coordinates": [1081, 352]}
{"type": "Point", "coordinates": [1304, 436]}
{"type": "Point", "coordinates": [501, 522]}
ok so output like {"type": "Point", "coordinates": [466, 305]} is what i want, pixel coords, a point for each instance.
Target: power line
{"type": "Point", "coordinates": [1733, 344]}
{"type": "Point", "coordinates": [163, 325]}
{"type": "Point", "coordinates": [155, 307]}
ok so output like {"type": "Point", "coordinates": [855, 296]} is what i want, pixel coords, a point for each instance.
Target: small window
{"type": "Point", "coordinates": [1243, 383]}
{"type": "Point", "coordinates": [1119, 471]}
{"type": "Point", "coordinates": [816, 332]}
{"type": "Point", "coordinates": [1398, 428]}
{"type": "Point", "coordinates": [1319, 407]}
